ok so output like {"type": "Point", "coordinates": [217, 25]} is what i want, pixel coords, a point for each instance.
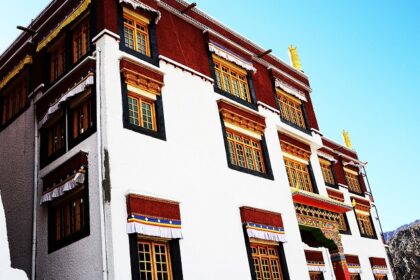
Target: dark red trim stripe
{"type": "Point", "coordinates": [153, 207]}
{"type": "Point", "coordinates": [260, 216]}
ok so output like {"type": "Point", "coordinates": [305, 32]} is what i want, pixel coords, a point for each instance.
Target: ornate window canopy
{"type": "Point", "coordinates": [318, 201]}
{"type": "Point", "coordinates": [230, 56]}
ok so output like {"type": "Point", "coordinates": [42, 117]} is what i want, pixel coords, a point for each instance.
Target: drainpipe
{"type": "Point", "coordinates": [35, 200]}
{"type": "Point", "coordinates": [97, 54]}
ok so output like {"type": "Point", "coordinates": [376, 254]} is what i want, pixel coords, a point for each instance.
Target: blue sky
{"type": "Point", "coordinates": [363, 61]}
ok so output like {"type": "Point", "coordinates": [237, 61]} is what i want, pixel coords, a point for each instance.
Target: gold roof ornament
{"type": "Point", "coordinates": [294, 57]}
{"type": "Point", "coordinates": [346, 138]}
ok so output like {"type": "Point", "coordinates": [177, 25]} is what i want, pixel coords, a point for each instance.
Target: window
{"type": "Point", "coordinates": [81, 40]}
{"type": "Point", "coordinates": [154, 259]}
{"type": "Point", "coordinates": [69, 218]}
{"type": "Point", "coordinates": [327, 171]}
{"type": "Point", "coordinates": [343, 224]}
{"type": "Point", "coordinates": [57, 59]}
{"type": "Point", "coordinates": [231, 79]}
{"type": "Point", "coordinates": [291, 109]}
{"type": "Point", "coordinates": [136, 32]}
{"type": "Point", "coordinates": [245, 151]}
{"type": "Point", "coordinates": [82, 115]}
{"type": "Point", "coordinates": [13, 101]}
{"type": "Point", "coordinates": [381, 277]}
{"type": "Point", "coordinates": [354, 276]}
{"type": "Point", "coordinates": [266, 261]}
{"type": "Point", "coordinates": [352, 178]}
{"type": "Point", "coordinates": [298, 175]}
{"type": "Point", "coordinates": [316, 275]}
{"type": "Point", "coordinates": [141, 111]}
{"type": "Point", "coordinates": [53, 139]}
{"type": "Point", "coordinates": [365, 225]}
{"type": "Point", "coordinates": [142, 100]}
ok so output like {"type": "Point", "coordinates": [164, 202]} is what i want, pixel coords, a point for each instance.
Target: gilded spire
{"type": "Point", "coordinates": [294, 57]}
{"type": "Point", "coordinates": [347, 139]}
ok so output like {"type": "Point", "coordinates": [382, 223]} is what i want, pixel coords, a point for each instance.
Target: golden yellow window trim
{"type": "Point", "coordinates": [295, 158]}
{"type": "Point", "coordinates": [135, 15]}
{"type": "Point", "coordinates": [136, 90]}
{"type": "Point", "coordinates": [325, 161]}
{"type": "Point", "coordinates": [293, 150]}
{"type": "Point", "coordinates": [230, 65]}
{"type": "Point", "coordinates": [76, 13]}
{"type": "Point", "coordinates": [242, 130]}
{"type": "Point", "coordinates": [351, 171]}
{"type": "Point", "coordinates": [288, 96]}
{"type": "Point", "coordinates": [142, 82]}
{"type": "Point", "coordinates": [15, 71]}
{"type": "Point", "coordinates": [263, 242]}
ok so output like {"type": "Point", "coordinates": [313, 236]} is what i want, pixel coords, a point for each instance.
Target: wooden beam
{"type": "Point", "coordinates": [189, 7]}
{"type": "Point", "coordinates": [25, 29]}
{"type": "Point", "coordinates": [264, 53]}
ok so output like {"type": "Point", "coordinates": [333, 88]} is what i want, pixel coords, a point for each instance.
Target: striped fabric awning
{"type": "Point", "coordinates": [353, 264]}
{"type": "Point", "coordinates": [263, 224]}
{"type": "Point", "coordinates": [153, 217]}
{"type": "Point", "coordinates": [315, 261]}
{"type": "Point", "coordinates": [379, 266]}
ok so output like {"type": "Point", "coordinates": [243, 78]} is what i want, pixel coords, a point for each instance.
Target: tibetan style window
{"type": "Point", "coordinates": [232, 75]}
{"type": "Point", "coordinates": [65, 190]}
{"type": "Point", "coordinates": [143, 110]}
{"type": "Point", "coordinates": [264, 235]}
{"type": "Point", "coordinates": [138, 30]}
{"type": "Point", "coordinates": [343, 224]}
{"type": "Point", "coordinates": [81, 40]}
{"type": "Point", "coordinates": [244, 140]}
{"type": "Point", "coordinates": [53, 139]}
{"type": "Point", "coordinates": [81, 117]}
{"type": "Point", "coordinates": [57, 53]}
{"type": "Point", "coordinates": [363, 217]}
{"type": "Point", "coordinates": [231, 79]}
{"type": "Point", "coordinates": [266, 261]}
{"type": "Point", "coordinates": [327, 172]}
{"type": "Point", "coordinates": [154, 228]}
{"type": "Point", "coordinates": [13, 100]}
{"type": "Point", "coordinates": [291, 110]}
{"type": "Point", "coordinates": [352, 178]}
{"type": "Point", "coordinates": [68, 121]}
{"type": "Point", "coordinates": [296, 161]}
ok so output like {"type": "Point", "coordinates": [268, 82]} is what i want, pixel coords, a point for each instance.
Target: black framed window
{"type": "Point", "coordinates": [155, 258]}
{"type": "Point", "coordinates": [292, 111]}
{"type": "Point", "coordinates": [138, 33]}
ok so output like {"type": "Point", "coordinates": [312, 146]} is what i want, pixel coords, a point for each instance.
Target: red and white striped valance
{"type": "Point", "coordinates": [379, 266]}
{"type": "Point", "coordinates": [153, 217]}
{"type": "Point", "coordinates": [315, 261]}
{"type": "Point", "coordinates": [353, 264]}
{"type": "Point", "coordinates": [263, 224]}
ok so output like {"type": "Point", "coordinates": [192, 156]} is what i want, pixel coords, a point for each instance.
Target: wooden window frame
{"type": "Point", "coordinates": [305, 172]}
{"type": "Point", "coordinates": [82, 31]}
{"type": "Point", "coordinates": [362, 221]}
{"type": "Point", "coordinates": [316, 273]}
{"type": "Point", "coordinates": [46, 134]}
{"type": "Point", "coordinates": [81, 192]}
{"type": "Point", "coordinates": [173, 252]}
{"type": "Point", "coordinates": [353, 181]}
{"type": "Point", "coordinates": [140, 24]}
{"type": "Point", "coordinates": [355, 276]}
{"type": "Point", "coordinates": [140, 101]}
{"type": "Point", "coordinates": [327, 172]}
{"type": "Point", "coordinates": [268, 174]}
{"type": "Point", "coordinates": [89, 96]}
{"type": "Point", "coordinates": [58, 60]}
{"type": "Point", "coordinates": [145, 19]}
{"type": "Point", "coordinates": [292, 111]}
{"type": "Point", "coordinates": [157, 118]}
{"type": "Point", "coordinates": [253, 145]}
{"type": "Point", "coordinates": [259, 256]}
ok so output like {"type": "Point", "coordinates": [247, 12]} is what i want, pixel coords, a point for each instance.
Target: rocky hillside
{"type": "Point", "coordinates": [404, 248]}
{"type": "Point", "coordinates": [389, 234]}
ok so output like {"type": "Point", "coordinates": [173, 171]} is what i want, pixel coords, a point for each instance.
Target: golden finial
{"type": "Point", "coordinates": [353, 203]}
{"type": "Point", "coordinates": [347, 139]}
{"type": "Point", "coordinates": [294, 57]}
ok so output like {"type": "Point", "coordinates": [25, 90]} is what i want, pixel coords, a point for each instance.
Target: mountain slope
{"type": "Point", "coordinates": [404, 248]}
{"type": "Point", "coordinates": [389, 234]}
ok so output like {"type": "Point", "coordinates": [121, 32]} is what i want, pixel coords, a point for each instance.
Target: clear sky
{"type": "Point", "coordinates": [363, 61]}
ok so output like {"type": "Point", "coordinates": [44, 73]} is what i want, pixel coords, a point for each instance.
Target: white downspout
{"type": "Point", "coordinates": [35, 205]}
{"type": "Point", "coordinates": [97, 54]}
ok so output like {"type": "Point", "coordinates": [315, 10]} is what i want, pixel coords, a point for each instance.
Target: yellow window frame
{"type": "Point", "coordinates": [228, 75]}
{"type": "Point", "coordinates": [298, 175]}
{"type": "Point", "coordinates": [144, 100]}
{"type": "Point", "coordinates": [152, 257]}
{"type": "Point", "coordinates": [327, 173]}
{"type": "Point", "coordinates": [266, 260]}
{"type": "Point", "coordinates": [141, 21]}
{"type": "Point", "coordinates": [291, 108]}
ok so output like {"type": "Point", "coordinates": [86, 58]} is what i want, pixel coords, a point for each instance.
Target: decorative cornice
{"type": "Point", "coordinates": [318, 201]}
{"type": "Point", "coordinates": [294, 150]}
